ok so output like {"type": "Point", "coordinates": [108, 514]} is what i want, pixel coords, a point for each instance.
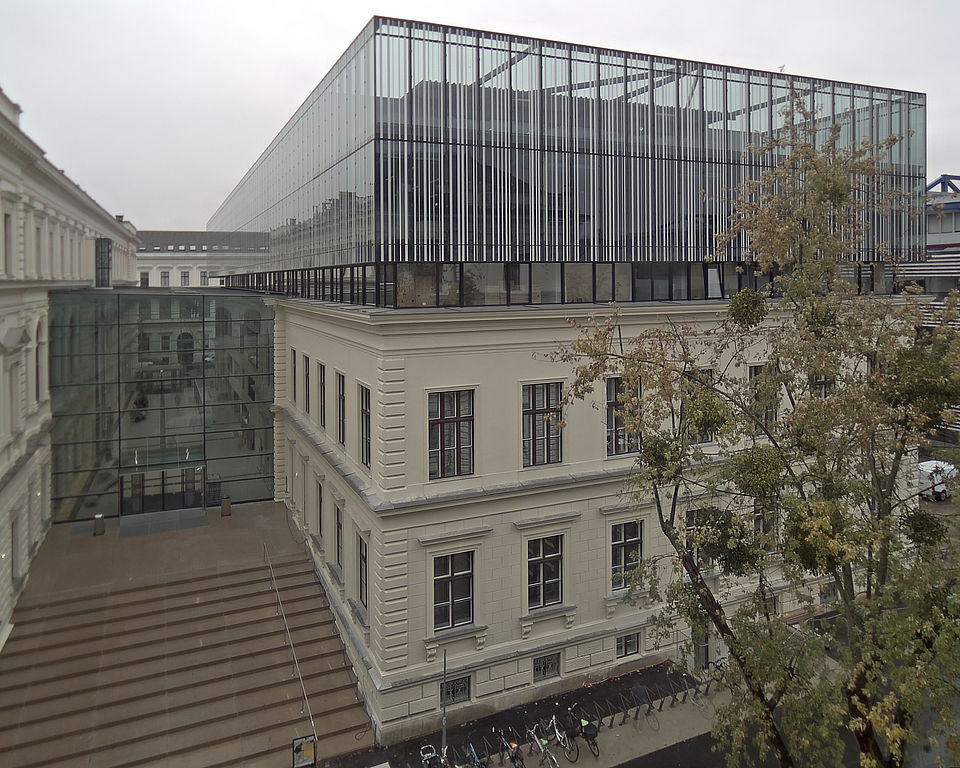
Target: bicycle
{"type": "Point", "coordinates": [567, 741]}
{"type": "Point", "coordinates": [700, 700]}
{"type": "Point", "coordinates": [475, 760]}
{"type": "Point", "coordinates": [430, 758]}
{"type": "Point", "coordinates": [538, 741]}
{"type": "Point", "coordinates": [585, 728]}
{"type": "Point", "coordinates": [512, 749]}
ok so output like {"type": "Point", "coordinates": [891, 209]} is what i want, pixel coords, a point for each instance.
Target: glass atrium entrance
{"type": "Point", "coordinates": [161, 400]}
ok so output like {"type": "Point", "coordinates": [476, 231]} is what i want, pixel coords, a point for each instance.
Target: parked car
{"type": "Point", "coordinates": [935, 479]}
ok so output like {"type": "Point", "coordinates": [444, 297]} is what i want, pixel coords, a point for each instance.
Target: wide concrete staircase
{"type": "Point", "coordinates": [195, 672]}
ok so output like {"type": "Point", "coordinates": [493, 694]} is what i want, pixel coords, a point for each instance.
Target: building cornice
{"type": "Point", "coordinates": [33, 161]}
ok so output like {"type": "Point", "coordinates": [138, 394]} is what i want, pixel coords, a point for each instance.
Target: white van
{"type": "Point", "coordinates": [934, 479]}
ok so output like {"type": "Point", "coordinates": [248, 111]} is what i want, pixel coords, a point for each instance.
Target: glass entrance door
{"type": "Point", "coordinates": [161, 490]}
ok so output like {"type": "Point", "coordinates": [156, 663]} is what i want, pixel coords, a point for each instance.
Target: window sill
{"type": "Point", "coordinates": [567, 612]}
{"type": "Point", "coordinates": [541, 466]}
{"type": "Point", "coordinates": [448, 478]}
{"type": "Point", "coordinates": [625, 455]}
{"type": "Point", "coordinates": [443, 636]}
{"type": "Point", "coordinates": [359, 612]}
{"type": "Point", "coordinates": [620, 595]}
{"type": "Point", "coordinates": [336, 573]}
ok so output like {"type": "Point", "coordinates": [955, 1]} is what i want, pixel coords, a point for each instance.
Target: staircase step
{"type": "Point", "coordinates": [195, 672]}
{"type": "Point", "coordinates": [237, 643]}
{"type": "Point", "coordinates": [179, 636]}
{"type": "Point", "coordinates": [185, 706]}
{"type": "Point", "coordinates": [325, 655]}
{"type": "Point", "coordinates": [78, 625]}
{"type": "Point", "coordinates": [127, 747]}
{"type": "Point", "coordinates": [197, 582]}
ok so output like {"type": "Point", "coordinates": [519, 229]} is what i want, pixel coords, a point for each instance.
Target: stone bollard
{"type": "Point", "coordinates": [225, 506]}
{"type": "Point", "coordinates": [99, 527]}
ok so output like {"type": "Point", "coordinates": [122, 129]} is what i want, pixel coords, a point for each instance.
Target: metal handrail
{"type": "Point", "coordinates": [293, 652]}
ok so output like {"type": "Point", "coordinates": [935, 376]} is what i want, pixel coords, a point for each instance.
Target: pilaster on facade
{"type": "Point", "coordinates": [392, 585]}
{"type": "Point", "coordinates": [391, 426]}
{"type": "Point", "coordinates": [280, 438]}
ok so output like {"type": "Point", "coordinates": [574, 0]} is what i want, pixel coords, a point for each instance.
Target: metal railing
{"type": "Point", "coordinates": [293, 652]}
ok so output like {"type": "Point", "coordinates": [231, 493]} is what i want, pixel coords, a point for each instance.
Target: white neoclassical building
{"type": "Point", "coordinates": [446, 516]}
{"type": "Point", "coordinates": [190, 259]}
{"type": "Point", "coordinates": [52, 235]}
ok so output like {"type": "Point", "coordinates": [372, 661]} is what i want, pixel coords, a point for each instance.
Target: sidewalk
{"type": "Point", "coordinates": [623, 736]}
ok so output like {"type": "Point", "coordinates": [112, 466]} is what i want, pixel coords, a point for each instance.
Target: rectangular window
{"type": "Point", "coordinates": [306, 384]}
{"type": "Point", "coordinates": [104, 262]}
{"type": "Point", "coordinates": [694, 518]}
{"type": "Point", "coordinates": [164, 279]}
{"type": "Point", "coordinates": [8, 260]}
{"type": "Point", "coordinates": [772, 605]}
{"type": "Point", "coordinates": [455, 691]}
{"type": "Point", "coordinates": [828, 593]}
{"type": "Point", "coordinates": [450, 450]}
{"type": "Point", "coordinates": [544, 566]}
{"type": "Point", "coordinates": [362, 570]}
{"type": "Point", "coordinates": [341, 409]}
{"type": "Point", "coordinates": [704, 378]}
{"type": "Point", "coordinates": [628, 645]}
{"type": "Point", "coordinates": [144, 279]}
{"type": "Point", "coordinates": [204, 278]}
{"type": "Point", "coordinates": [322, 393]}
{"type": "Point", "coordinates": [618, 441]}
{"type": "Point", "coordinates": [339, 536]}
{"type": "Point", "coordinates": [541, 430]}
{"type": "Point", "coordinates": [765, 524]}
{"type": "Point", "coordinates": [821, 385]}
{"type": "Point", "coordinates": [452, 590]}
{"type": "Point", "coordinates": [626, 549]}
{"type": "Point", "coordinates": [165, 342]}
{"type": "Point", "coordinates": [184, 279]}
{"type": "Point", "coordinates": [293, 374]}
{"type": "Point", "coordinates": [545, 667]}
{"type": "Point", "coordinates": [764, 399]}
{"type": "Point", "coordinates": [364, 426]}
{"type": "Point", "coordinates": [320, 511]}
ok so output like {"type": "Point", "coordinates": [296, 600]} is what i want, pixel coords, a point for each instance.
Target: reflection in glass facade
{"type": "Point", "coordinates": [435, 144]}
{"type": "Point", "coordinates": [160, 400]}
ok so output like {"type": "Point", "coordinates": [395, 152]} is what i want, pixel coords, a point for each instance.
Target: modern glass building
{"type": "Point", "coordinates": [160, 400]}
{"type": "Point", "coordinates": [431, 145]}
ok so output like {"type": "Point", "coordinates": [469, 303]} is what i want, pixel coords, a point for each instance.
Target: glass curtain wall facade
{"type": "Point", "coordinates": [160, 400]}
{"type": "Point", "coordinates": [436, 144]}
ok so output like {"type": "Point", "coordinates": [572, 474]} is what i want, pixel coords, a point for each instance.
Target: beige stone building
{"type": "Point", "coordinates": [507, 549]}
{"type": "Point", "coordinates": [52, 235]}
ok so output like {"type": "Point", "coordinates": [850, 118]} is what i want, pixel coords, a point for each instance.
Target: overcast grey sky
{"type": "Point", "coordinates": [158, 107]}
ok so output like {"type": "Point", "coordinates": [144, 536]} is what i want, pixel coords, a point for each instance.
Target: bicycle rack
{"type": "Point", "coordinates": [642, 697]}
{"type": "Point", "coordinates": [603, 708]}
{"type": "Point", "coordinates": [597, 714]}
{"type": "Point", "coordinates": [676, 689]}
{"type": "Point", "coordinates": [488, 750]}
